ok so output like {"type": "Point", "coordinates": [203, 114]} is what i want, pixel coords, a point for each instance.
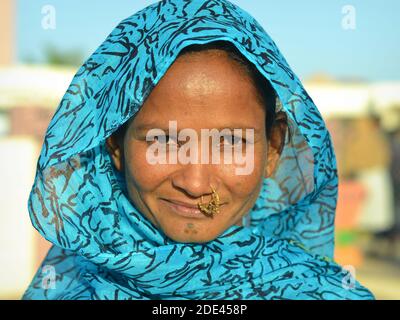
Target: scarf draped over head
{"type": "Point", "coordinates": [104, 248]}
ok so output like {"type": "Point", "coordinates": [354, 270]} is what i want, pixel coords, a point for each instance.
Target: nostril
{"type": "Point", "coordinates": [192, 189]}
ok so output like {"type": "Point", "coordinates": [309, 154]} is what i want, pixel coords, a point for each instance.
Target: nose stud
{"type": "Point", "coordinates": [211, 208]}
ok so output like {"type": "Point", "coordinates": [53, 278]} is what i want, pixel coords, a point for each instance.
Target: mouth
{"type": "Point", "coordinates": [183, 209]}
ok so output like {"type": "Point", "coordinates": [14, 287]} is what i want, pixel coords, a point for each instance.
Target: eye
{"type": "Point", "coordinates": [171, 140]}
{"type": "Point", "coordinates": [232, 140]}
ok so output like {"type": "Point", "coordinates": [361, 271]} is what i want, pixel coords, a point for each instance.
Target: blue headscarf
{"type": "Point", "coordinates": [104, 248]}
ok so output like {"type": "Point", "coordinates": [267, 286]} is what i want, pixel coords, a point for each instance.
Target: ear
{"type": "Point", "coordinates": [276, 142]}
{"type": "Point", "coordinates": [116, 151]}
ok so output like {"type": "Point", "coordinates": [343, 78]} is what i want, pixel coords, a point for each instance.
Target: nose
{"type": "Point", "coordinates": [195, 180]}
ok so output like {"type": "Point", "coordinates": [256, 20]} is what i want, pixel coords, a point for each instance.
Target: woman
{"type": "Point", "coordinates": [131, 216]}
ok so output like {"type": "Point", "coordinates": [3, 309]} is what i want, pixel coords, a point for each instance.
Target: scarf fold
{"type": "Point", "coordinates": [104, 248]}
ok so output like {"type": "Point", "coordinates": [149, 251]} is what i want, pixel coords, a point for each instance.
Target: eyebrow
{"type": "Point", "coordinates": [146, 127]}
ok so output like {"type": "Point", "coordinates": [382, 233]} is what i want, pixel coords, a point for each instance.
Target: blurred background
{"type": "Point", "coordinates": [346, 54]}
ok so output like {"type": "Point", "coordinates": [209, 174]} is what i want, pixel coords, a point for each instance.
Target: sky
{"type": "Point", "coordinates": [309, 33]}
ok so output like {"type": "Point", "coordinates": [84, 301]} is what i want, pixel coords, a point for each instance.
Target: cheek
{"type": "Point", "coordinates": [243, 186]}
{"type": "Point", "coordinates": [139, 171]}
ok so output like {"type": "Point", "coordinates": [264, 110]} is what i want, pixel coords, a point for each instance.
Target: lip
{"type": "Point", "coordinates": [183, 209]}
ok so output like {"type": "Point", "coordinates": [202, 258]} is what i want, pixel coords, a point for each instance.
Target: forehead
{"type": "Point", "coordinates": [204, 88]}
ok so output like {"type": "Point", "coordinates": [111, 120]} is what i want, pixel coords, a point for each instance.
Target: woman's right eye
{"type": "Point", "coordinates": [167, 139]}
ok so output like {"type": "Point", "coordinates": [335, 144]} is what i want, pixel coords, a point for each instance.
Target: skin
{"type": "Point", "coordinates": [202, 90]}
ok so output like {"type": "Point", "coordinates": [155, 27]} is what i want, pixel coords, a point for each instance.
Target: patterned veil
{"type": "Point", "coordinates": [104, 248]}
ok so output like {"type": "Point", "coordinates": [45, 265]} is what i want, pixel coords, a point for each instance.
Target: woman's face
{"type": "Point", "coordinates": [204, 90]}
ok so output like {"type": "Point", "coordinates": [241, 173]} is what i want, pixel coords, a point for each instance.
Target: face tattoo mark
{"type": "Point", "coordinates": [190, 228]}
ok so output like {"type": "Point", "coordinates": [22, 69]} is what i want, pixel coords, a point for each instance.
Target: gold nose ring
{"type": "Point", "coordinates": [211, 208]}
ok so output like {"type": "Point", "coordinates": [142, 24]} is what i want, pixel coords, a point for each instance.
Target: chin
{"type": "Point", "coordinates": [182, 237]}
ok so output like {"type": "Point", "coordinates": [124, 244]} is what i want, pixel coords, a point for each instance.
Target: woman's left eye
{"type": "Point", "coordinates": [234, 140]}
